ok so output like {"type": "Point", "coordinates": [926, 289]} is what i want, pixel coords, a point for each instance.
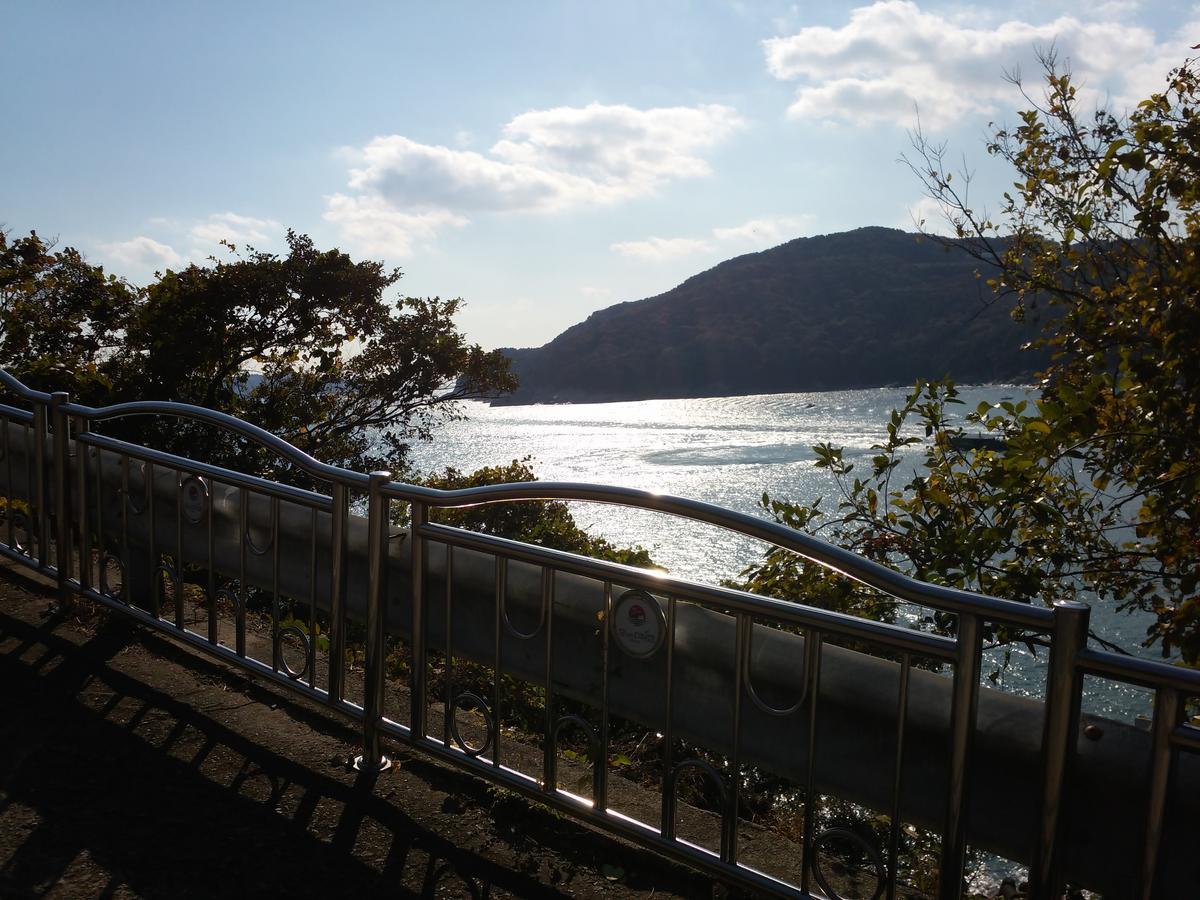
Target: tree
{"type": "Point", "coordinates": [1097, 490]}
{"type": "Point", "coordinates": [545, 522]}
{"type": "Point", "coordinates": [59, 315]}
{"type": "Point", "coordinates": [304, 345]}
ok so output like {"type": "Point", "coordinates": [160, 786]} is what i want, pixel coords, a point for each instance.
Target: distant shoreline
{"type": "Point", "coordinates": [894, 386]}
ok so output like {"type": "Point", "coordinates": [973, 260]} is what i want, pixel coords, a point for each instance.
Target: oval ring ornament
{"type": "Point", "coordinates": [193, 499]}
{"type": "Point", "coordinates": [847, 836]}
{"type": "Point", "coordinates": [105, 585]}
{"type": "Point", "coordinates": [638, 623]}
{"type": "Point", "coordinates": [479, 706]}
{"type": "Point", "coordinates": [291, 631]}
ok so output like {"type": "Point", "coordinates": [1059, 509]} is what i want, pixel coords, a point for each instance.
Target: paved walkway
{"type": "Point", "coordinates": [132, 767]}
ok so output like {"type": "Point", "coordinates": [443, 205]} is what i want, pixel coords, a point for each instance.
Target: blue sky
{"type": "Point", "coordinates": [540, 160]}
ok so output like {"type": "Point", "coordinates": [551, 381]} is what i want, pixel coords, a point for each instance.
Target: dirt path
{"type": "Point", "coordinates": [131, 767]}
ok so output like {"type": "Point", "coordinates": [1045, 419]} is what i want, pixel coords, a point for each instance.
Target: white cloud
{"type": "Point", "coordinates": [238, 229]}
{"type": "Point", "coordinates": [656, 249]}
{"type": "Point", "coordinates": [142, 253]}
{"type": "Point", "coordinates": [765, 232]}
{"type": "Point", "coordinates": [624, 152]}
{"type": "Point", "coordinates": [891, 58]}
{"type": "Point", "coordinates": [546, 160]}
{"type": "Point", "coordinates": [378, 229]}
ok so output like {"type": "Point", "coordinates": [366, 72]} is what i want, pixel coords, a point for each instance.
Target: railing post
{"type": "Point", "coordinates": [62, 522]}
{"type": "Point", "coordinates": [1059, 736]}
{"type": "Point", "coordinates": [37, 515]}
{"type": "Point", "coordinates": [337, 595]}
{"type": "Point", "coordinates": [965, 694]}
{"type": "Point", "coordinates": [372, 759]}
{"type": "Point", "coordinates": [1168, 711]}
{"type": "Point", "coordinates": [420, 515]}
{"type": "Point", "coordinates": [83, 521]}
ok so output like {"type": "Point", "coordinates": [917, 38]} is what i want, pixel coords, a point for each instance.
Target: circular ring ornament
{"type": "Point", "coordinates": [748, 680]}
{"type": "Point", "coordinates": [234, 599]}
{"type": "Point", "coordinates": [253, 547]}
{"type": "Point", "coordinates": [167, 570]}
{"type": "Point", "coordinates": [831, 837]}
{"type": "Point", "coordinates": [468, 701]}
{"type": "Point", "coordinates": [291, 631]}
{"type": "Point", "coordinates": [193, 499]}
{"type": "Point", "coordinates": [105, 584]}
{"type": "Point", "coordinates": [638, 623]}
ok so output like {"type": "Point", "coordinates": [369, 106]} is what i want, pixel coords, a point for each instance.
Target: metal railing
{"type": "Point", "coordinates": [187, 548]}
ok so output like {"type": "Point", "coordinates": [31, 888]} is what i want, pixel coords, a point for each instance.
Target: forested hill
{"type": "Point", "coordinates": [864, 308]}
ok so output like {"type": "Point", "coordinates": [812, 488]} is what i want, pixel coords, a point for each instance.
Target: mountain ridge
{"type": "Point", "coordinates": [864, 308]}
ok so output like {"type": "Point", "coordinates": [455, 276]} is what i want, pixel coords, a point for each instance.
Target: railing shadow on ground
{"type": "Point", "coordinates": [111, 785]}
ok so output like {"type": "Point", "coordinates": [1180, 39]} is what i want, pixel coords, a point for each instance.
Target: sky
{"type": "Point", "coordinates": [539, 160]}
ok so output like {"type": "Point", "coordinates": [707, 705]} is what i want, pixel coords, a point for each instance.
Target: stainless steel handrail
{"type": "Point", "coordinates": [58, 494]}
{"type": "Point", "coordinates": [837, 558]}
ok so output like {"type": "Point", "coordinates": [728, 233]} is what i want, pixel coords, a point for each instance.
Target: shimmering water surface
{"type": "Point", "coordinates": [723, 450]}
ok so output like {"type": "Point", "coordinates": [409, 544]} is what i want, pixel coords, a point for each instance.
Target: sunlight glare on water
{"type": "Point", "coordinates": [721, 450]}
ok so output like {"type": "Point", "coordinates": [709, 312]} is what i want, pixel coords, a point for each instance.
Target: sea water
{"type": "Point", "coordinates": [729, 451]}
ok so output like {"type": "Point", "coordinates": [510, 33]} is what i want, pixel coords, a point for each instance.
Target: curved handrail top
{"type": "Point", "coordinates": [837, 558]}
{"type": "Point", "coordinates": [284, 449]}
{"type": "Point", "coordinates": [830, 555]}
{"type": "Point", "coordinates": [18, 387]}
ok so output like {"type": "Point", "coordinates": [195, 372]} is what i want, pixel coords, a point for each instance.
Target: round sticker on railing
{"type": "Point", "coordinates": [638, 623]}
{"type": "Point", "coordinates": [193, 498]}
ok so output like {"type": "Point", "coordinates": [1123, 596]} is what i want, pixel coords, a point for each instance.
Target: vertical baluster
{"type": "Point", "coordinates": [964, 703]}
{"type": "Point", "coordinates": [155, 557]}
{"type": "Point", "coordinates": [126, 562]}
{"type": "Point", "coordinates": [103, 545]}
{"type": "Point", "coordinates": [100, 511]}
{"type": "Point", "coordinates": [497, 698]}
{"type": "Point", "coordinates": [419, 565]}
{"type": "Point", "coordinates": [600, 771]}
{"type": "Point", "coordinates": [814, 639]}
{"type": "Point", "coordinates": [549, 749]}
{"type": "Point", "coordinates": [312, 600]}
{"type": "Point", "coordinates": [275, 555]}
{"type": "Point", "coordinates": [1059, 735]}
{"type": "Point", "coordinates": [668, 799]}
{"type": "Point", "coordinates": [812, 653]}
{"type": "Point", "coordinates": [8, 484]}
{"type": "Point", "coordinates": [179, 612]}
{"type": "Point", "coordinates": [37, 517]}
{"type": "Point", "coordinates": [62, 521]}
{"type": "Point", "coordinates": [239, 612]}
{"type": "Point", "coordinates": [729, 821]}
{"type": "Point", "coordinates": [84, 535]}
{"type": "Point", "coordinates": [898, 775]}
{"type": "Point", "coordinates": [378, 505]}
{"type": "Point", "coordinates": [1168, 710]}
{"type": "Point", "coordinates": [448, 672]}
{"type": "Point", "coordinates": [212, 572]}
{"type": "Point", "coordinates": [337, 595]}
